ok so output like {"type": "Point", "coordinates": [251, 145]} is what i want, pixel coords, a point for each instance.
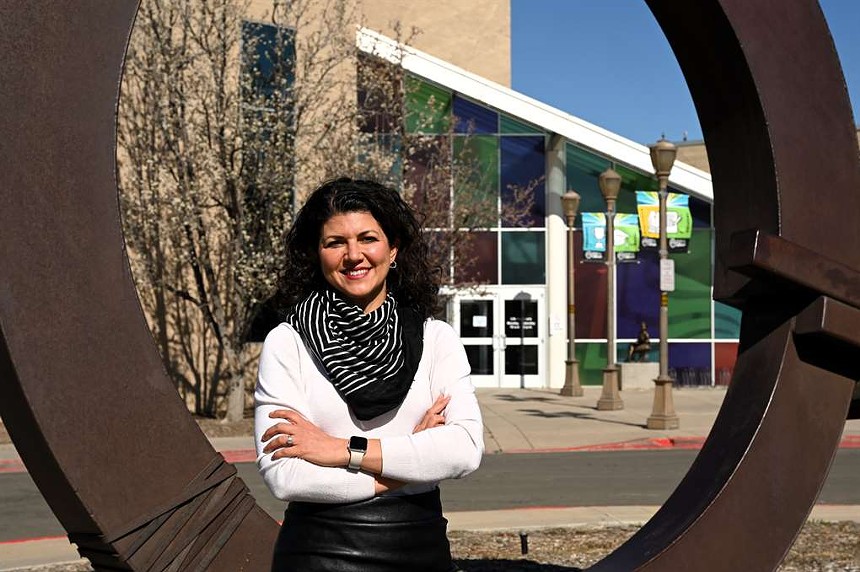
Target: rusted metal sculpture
{"type": "Point", "coordinates": [772, 102]}
{"type": "Point", "coordinates": [83, 392]}
{"type": "Point", "coordinates": [85, 397]}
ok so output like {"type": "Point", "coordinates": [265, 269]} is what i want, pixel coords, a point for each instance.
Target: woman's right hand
{"type": "Point", "coordinates": [434, 417]}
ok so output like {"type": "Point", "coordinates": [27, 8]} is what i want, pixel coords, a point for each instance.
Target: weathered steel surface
{"type": "Point", "coordinates": [85, 398]}
{"type": "Point", "coordinates": [772, 102]}
{"type": "Point", "coordinates": [83, 392]}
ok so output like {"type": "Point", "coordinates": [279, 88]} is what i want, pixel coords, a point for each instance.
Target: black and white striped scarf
{"type": "Point", "coordinates": [364, 355]}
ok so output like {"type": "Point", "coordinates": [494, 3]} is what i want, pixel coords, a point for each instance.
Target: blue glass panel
{"type": "Point", "coordinates": [523, 166]}
{"type": "Point", "coordinates": [690, 363]}
{"type": "Point", "coordinates": [638, 295]}
{"type": "Point", "coordinates": [268, 61]}
{"type": "Point", "coordinates": [474, 118]}
{"type": "Point", "coordinates": [727, 322]}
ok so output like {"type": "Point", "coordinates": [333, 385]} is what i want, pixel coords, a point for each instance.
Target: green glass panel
{"type": "Point", "coordinates": [623, 348]}
{"type": "Point", "coordinates": [583, 169]}
{"type": "Point", "coordinates": [690, 303]}
{"type": "Point", "coordinates": [510, 126]}
{"type": "Point", "coordinates": [632, 181]}
{"type": "Point", "coordinates": [727, 322]}
{"type": "Point", "coordinates": [428, 107]}
{"type": "Point", "coordinates": [592, 360]}
{"type": "Point", "coordinates": [523, 258]}
{"type": "Point", "coordinates": [476, 181]}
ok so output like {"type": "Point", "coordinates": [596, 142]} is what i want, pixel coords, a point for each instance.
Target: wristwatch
{"type": "Point", "coordinates": [357, 448]}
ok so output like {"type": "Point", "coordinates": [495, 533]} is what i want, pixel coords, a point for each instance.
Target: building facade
{"type": "Point", "coordinates": [514, 326]}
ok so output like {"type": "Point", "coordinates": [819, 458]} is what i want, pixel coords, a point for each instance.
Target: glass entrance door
{"type": "Point", "coordinates": [503, 333]}
{"type": "Point", "coordinates": [523, 335]}
{"type": "Point", "coordinates": [475, 319]}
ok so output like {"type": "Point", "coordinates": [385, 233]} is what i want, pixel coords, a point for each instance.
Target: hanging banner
{"type": "Point", "coordinates": [679, 220]}
{"type": "Point", "coordinates": [626, 237]}
{"type": "Point", "coordinates": [594, 237]}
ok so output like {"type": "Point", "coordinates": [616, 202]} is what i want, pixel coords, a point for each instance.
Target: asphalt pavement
{"type": "Point", "coordinates": [551, 461]}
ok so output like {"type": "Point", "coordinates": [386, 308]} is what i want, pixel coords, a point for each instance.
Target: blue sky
{"type": "Point", "coordinates": [608, 62]}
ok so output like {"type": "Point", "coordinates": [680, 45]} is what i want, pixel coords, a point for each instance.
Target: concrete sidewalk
{"type": "Point", "coordinates": [532, 420]}
{"type": "Point", "coordinates": [517, 420]}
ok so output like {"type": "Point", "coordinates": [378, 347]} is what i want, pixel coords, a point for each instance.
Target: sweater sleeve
{"type": "Point", "coordinates": [280, 386]}
{"type": "Point", "coordinates": [450, 451]}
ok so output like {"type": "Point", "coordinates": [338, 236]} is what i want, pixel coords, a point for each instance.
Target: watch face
{"type": "Point", "coordinates": [358, 443]}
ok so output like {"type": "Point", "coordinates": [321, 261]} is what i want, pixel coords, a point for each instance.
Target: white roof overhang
{"type": "Point", "coordinates": [684, 177]}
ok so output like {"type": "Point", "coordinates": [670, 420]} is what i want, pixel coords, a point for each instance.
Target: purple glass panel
{"type": "Point", "coordinates": [477, 260]}
{"type": "Point", "coordinates": [426, 176]}
{"type": "Point", "coordinates": [522, 181]}
{"type": "Point", "coordinates": [590, 285]}
{"type": "Point", "coordinates": [638, 295]}
{"type": "Point", "coordinates": [474, 118]}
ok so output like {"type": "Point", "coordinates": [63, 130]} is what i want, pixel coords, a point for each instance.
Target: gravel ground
{"type": "Point", "coordinates": [821, 547]}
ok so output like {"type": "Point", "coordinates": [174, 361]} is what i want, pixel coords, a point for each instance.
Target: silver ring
{"type": "Point", "coordinates": [290, 441]}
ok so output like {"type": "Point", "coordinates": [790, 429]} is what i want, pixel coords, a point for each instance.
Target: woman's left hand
{"type": "Point", "coordinates": [297, 437]}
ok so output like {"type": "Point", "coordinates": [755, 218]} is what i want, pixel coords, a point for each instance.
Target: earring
{"type": "Point", "coordinates": [393, 264]}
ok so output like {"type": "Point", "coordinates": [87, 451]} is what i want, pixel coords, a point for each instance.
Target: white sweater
{"type": "Point", "coordinates": [290, 378]}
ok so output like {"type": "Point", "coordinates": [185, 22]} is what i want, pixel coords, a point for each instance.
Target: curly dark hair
{"type": "Point", "coordinates": [413, 282]}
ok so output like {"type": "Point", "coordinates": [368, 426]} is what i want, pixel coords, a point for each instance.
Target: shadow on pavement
{"type": "Point", "coordinates": [509, 397]}
{"type": "Point", "coordinates": [574, 415]}
{"type": "Point", "coordinates": [488, 565]}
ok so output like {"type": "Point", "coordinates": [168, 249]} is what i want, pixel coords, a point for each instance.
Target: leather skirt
{"type": "Point", "coordinates": [381, 534]}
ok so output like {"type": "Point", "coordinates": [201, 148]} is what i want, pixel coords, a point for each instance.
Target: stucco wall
{"type": "Point", "coordinates": [694, 154]}
{"type": "Point", "coordinates": [474, 35]}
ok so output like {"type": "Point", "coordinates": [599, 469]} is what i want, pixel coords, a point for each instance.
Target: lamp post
{"type": "Point", "coordinates": [610, 184]}
{"type": "Point", "coordinates": [572, 387]}
{"type": "Point", "coordinates": [663, 414]}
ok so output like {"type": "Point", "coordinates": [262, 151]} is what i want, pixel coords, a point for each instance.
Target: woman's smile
{"type": "Point", "coordinates": [355, 256]}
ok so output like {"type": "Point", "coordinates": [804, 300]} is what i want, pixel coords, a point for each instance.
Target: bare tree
{"type": "Point", "coordinates": [212, 113]}
{"type": "Point", "coordinates": [225, 124]}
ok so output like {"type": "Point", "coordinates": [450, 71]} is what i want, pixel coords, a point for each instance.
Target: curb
{"type": "Point", "coordinates": [647, 444]}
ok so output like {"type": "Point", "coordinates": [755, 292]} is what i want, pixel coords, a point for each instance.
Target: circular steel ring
{"type": "Point", "coordinates": [80, 374]}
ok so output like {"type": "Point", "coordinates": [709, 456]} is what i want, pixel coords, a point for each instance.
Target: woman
{"type": "Point", "coordinates": [363, 402]}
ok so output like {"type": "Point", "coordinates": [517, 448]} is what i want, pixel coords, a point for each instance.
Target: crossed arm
{"type": "Point", "coordinates": [296, 437]}
{"type": "Point", "coordinates": [447, 441]}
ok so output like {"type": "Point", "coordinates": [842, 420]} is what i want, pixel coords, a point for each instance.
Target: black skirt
{"type": "Point", "coordinates": [381, 534]}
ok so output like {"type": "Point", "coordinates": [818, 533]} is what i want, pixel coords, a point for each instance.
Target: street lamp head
{"type": "Point", "coordinates": [570, 204]}
{"type": "Point", "coordinates": [663, 157]}
{"type": "Point", "coordinates": [610, 184]}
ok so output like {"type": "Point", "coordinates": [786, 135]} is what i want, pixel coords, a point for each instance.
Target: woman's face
{"type": "Point", "coordinates": [355, 256]}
